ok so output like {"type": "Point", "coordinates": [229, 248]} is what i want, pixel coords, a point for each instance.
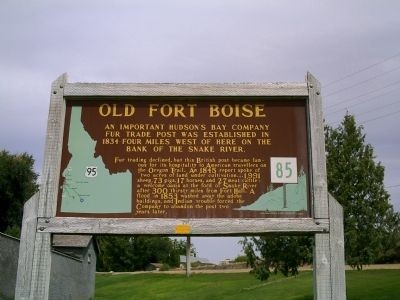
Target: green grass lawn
{"type": "Point", "coordinates": [365, 285]}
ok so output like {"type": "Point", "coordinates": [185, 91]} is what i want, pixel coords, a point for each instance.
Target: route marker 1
{"type": "Point", "coordinates": [91, 171]}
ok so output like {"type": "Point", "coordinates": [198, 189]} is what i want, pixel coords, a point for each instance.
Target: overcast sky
{"type": "Point", "coordinates": [355, 42]}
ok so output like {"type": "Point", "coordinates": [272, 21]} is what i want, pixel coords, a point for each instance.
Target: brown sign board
{"type": "Point", "coordinates": [187, 157]}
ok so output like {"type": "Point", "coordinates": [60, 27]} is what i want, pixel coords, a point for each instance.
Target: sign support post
{"type": "Point", "coordinates": [322, 258]}
{"type": "Point", "coordinates": [26, 249]}
{"type": "Point", "coordinates": [336, 244]}
{"type": "Point", "coordinates": [329, 279]}
{"type": "Point", "coordinates": [38, 287]}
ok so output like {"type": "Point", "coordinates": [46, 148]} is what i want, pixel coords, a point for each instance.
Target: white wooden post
{"type": "Point", "coordinates": [39, 274]}
{"type": "Point", "coordinates": [26, 247]}
{"type": "Point", "coordinates": [322, 283]}
{"type": "Point", "coordinates": [329, 276]}
{"type": "Point", "coordinates": [329, 262]}
{"type": "Point", "coordinates": [322, 267]}
{"type": "Point", "coordinates": [336, 242]}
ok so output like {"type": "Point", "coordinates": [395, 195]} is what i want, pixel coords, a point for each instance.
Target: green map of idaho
{"type": "Point", "coordinates": [97, 191]}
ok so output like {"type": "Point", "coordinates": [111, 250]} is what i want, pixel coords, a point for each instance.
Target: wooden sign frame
{"type": "Point", "coordinates": [61, 90]}
{"type": "Point", "coordinates": [40, 221]}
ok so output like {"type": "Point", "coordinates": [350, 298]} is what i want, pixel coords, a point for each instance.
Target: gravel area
{"type": "Point", "coordinates": [306, 268]}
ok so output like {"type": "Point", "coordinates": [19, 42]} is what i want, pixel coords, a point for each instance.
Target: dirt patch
{"type": "Point", "coordinates": [216, 271]}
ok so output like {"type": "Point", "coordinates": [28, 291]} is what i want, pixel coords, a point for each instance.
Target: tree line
{"type": "Point", "coordinates": [355, 179]}
{"type": "Point", "coordinates": [134, 253]}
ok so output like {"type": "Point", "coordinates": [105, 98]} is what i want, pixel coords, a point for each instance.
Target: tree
{"type": "Point", "coordinates": [240, 259]}
{"type": "Point", "coordinates": [132, 253]}
{"type": "Point", "coordinates": [391, 246]}
{"type": "Point", "coordinates": [114, 254]}
{"type": "Point", "coordinates": [147, 250]}
{"type": "Point", "coordinates": [371, 227]}
{"type": "Point", "coordinates": [277, 254]}
{"type": "Point", "coordinates": [17, 185]}
{"type": "Point", "coordinates": [356, 181]}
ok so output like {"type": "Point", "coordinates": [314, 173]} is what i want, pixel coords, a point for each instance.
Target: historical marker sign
{"type": "Point", "coordinates": [199, 159]}
{"type": "Point", "coordinates": [185, 157]}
